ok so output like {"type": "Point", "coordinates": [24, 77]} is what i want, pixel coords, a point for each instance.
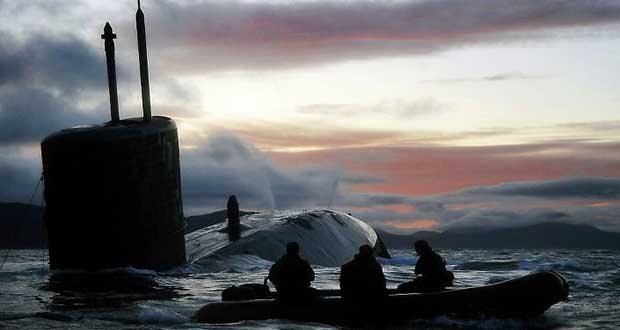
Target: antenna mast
{"type": "Point", "coordinates": [109, 37]}
{"type": "Point", "coordinates": [144, 64]}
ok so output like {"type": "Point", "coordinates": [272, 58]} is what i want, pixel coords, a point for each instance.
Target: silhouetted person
{"type": "Point", "coordinates": [234, 225]}
{"type": "Point", "coordinates": [430, 270]}
{"type": "Point", "coordinates": [361, 280]}
{"type": "Point", "coordinates": [292, 275]}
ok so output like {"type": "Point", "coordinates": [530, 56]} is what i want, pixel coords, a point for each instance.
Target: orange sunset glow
{"type": "Point", "coordinates": [415, 224]}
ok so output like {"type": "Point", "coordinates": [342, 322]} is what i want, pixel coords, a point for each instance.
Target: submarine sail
{"type": "Point", "coordinates": [113, 191]}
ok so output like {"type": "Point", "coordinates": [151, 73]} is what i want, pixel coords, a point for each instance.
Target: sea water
{"type": "Point", "coordinates": [29, 300]}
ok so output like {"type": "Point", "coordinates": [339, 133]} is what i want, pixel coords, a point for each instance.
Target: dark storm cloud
{"type": "Point", "coordinates": [19, 173]}
{"type": "Point", "coordinates": [231, 34]}
{"type": "Point", "coordinates": [569, 188]}
{"type": "Point", "coordinates": [581, 188]}
{"type": "Point", "coordinates": [42, 81]}
{"type": "Point", "coordinates": [585, 187]}
{"type": "Point", "coordinates": [28, 115]}
{"type": "Point", "coordinates": [67, 65]}
{"type": "Point", "coordinates": [380, 199]}
{"type": "Point", "coordinates": [505, 218]}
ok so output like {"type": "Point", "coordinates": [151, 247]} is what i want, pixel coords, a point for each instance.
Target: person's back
{"type": "Point", "coordinates": [430, 264]}
{"type": "Point", "coordinates": [430, 269]}
{"type": "Point", "coordinates": [362, 280]}
{"type": "Point", "coordinates": [292, 275]}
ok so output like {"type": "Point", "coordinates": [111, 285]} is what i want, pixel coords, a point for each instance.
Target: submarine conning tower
{"type": "Point", "coordinates": [113, 190]}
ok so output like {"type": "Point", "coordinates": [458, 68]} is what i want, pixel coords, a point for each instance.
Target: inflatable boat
{"type": "Point", "coordinates": [525, 296]}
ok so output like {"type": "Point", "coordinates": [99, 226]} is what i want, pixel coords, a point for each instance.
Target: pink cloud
{"type": "Point", "coordinates": [227, 35]}
{"type": "Point", "coordinates": [424, 170]}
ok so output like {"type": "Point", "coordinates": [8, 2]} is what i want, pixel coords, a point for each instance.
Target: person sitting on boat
{"type": "Point", "coordinates": [362, 280]}
{"type": "Point", "coordinates": [430, 270]}
{"type": "Point", "coordinates": [292, 275]}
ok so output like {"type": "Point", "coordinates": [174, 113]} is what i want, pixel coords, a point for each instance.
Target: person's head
{"type": "Point", "coordinates": [292, 248]}
{"type": "Point", "coordinates": [365, 251]}
{"type": "Point", "coordinates": [422, 247]}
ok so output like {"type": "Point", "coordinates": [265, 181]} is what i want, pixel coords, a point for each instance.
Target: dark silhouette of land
{"type": "Point", "coordinates": [551, 235]}
{"type": "Point", "coordinates": [21, 226]}
{"type": "Point", "coordinates": [196, 222]}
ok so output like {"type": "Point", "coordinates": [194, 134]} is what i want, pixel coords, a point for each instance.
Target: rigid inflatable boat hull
{"type": "Point", "coordinates": [529, 295]}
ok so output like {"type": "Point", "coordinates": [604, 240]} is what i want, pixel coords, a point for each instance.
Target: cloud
{"type": "Point", "coordinates": [68, 64]}
{"type": "Point", "coordinates": [505, 218]}
{"type": "Point", "coordinates": [44, 84]}
{"type": "Point", "coordinates": [398, 108]}
{"type": "Point", "coordinates": [262, 35]}
{"type": "Point", "coordinates": [494, 186]}
{"type": "Point", "coordinates": [584, 187]}
{"type": "Point", "coordinates": [425, 170]}
{"type": "Point", "coordinates": [607, 126]}
{"type": "Point", "coordinates": [416, 224]}
{"type": "Point", "coordinates": [584, 200]}
{"type": "Point", "coordinates": [311, 132]}
{"type": "Point", "coordinates": [19, 173]}
{"type": "Point", "coordinates": [28, 115]}
{"type": "Point", "coordinates": [227, 165]}
{"type": "Point", "coordinates": [274, 135]}
{"type": "Point", "coordinates": [504, 76]}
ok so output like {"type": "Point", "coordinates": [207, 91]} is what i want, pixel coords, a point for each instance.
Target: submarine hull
{"type": "Point", "coordinates": [326, 237]}
{"type": "Point", "coordinates": [527, 296]}
{"type": "Point", "coordinates": [113, 196]}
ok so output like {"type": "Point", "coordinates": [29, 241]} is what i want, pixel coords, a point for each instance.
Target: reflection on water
{"type": "Point", "coordinates": [114, 288]}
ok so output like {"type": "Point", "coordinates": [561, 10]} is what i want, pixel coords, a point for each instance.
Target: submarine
{"type": "Point", "coordinates": [112, 195]}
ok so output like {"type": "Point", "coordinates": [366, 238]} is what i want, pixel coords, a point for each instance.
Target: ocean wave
{"type": "Point", "coordinates": [239, 264]}
{"type": "Point", "coordinates": [23, 269]}
{"type": "Point", "coordinates": [497, 279]}
{"type": "Point", "coordinates": [55, 316]}
{"type": "Point", "coordinates": [403, 260]}
{"type": "Point", "coordinates": [145, 315]}
{"type": "Point", "coordinates": [566, 266]}
{"type": "Point", "coordinates": [119, 270]}
{"type": "Point", "coordinates": [530, 265]}
{"type": "Point", "coordinates": [446, 322]}
{"type": "Point", "coordinates": [161, 316]}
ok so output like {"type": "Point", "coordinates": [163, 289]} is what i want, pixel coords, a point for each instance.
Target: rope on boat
{"type": "Point", "coordinates": [43, 227]}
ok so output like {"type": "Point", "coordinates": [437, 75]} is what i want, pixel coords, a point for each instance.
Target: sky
{"type": "Point", "coordinates": [411, 115]}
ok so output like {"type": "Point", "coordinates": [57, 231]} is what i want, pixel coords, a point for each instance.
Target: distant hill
{"type": "Point", "coordinates": [551, 235]}
{"type": "Point", "coordinates": [200, 221]}
{"type": "Point", "coordinates": [21, 226]}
